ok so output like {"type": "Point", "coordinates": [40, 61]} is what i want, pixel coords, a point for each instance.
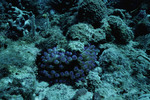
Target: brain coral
{"type": "Point", "coordinates": [58, 66]}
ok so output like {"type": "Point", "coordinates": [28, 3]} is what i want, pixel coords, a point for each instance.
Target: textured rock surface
{"type": "Point", "coordinates": [119, 30]}
{"type": "Point", "coordinates": [143, 27]}
{"type": "Point", "coordinates": [62, 6]}
{"type": "Point", "coordinates": [74, 50]}
{"type": "Point", "coordinates": [76, 46]}
{"type": "Point", "coordinates": [56, 92]}
{"type": "Point", "coordinates": [92, 11]}
{"type": "Point", "coordinates": [86, 33]}
{"type": "Point", "coordinates": [20, 83]}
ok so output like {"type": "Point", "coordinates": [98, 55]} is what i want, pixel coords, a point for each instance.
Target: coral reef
{"type": "Point", "coordinates": [143, 27]}
{"type": "Point", "coordinates": [27, 5]}
{"type": "Point", "coordinates": [85, 33]}
{"type": "Point", "coordinates": [17, 78]}
{"type": "Point", "coordinates": [92, 12]}
{"type": "Point", "coordinates": [74, 49]}
{"type": "Point", "coordinates": [58, 66]}
{"type": "Point", "coordinates": [117, 30]}
{"type": "Point", "coordinates": [20, 22]}
{"type": "Point", "coordinates": [62, 6]}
